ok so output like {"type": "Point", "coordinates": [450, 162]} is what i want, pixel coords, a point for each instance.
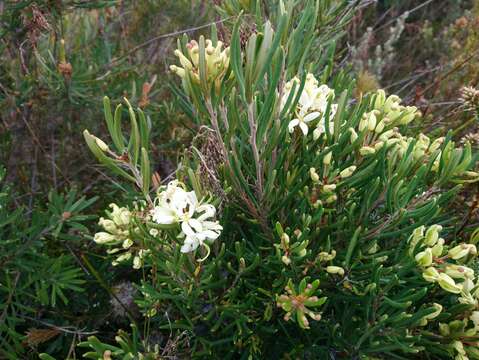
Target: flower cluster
{"type": "Point", "coordinates": [296, 250]}
{"type": "Point", "coordinates": [324, 189]}
{"type": "Point", "coordinates": [296, 303]}
{"type": "Point", "coordinates": [216, 62]}
{"type": "Point", "coordinates": [446, 268]}
{"type": "Point", "coordinates": [175, 205]}
{"type": "Point", "coordinates": [117, 235]}
{"type": "Point", "coordinates": [379, 126]}
{"type": "Point", "coordinates": [435, 264]}
{"type": "Point", "coordinates": [312, 105]}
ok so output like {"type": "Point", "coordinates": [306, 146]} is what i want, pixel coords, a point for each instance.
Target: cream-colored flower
{"type": "Point", "coordinates": [216, 61]}
{"type": "Point", "coordinates": [312, 105]}
{"type": "Point", "coordinates": [174, 205]}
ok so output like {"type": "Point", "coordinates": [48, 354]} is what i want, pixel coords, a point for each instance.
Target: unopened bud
{"type": "Point", "coordinates": [335, 270]}
{"type": "Point", "coordinates": [367, 150]}
{"type": "Point", "coordinates": [327, 158]}
{"type": "Point", "coordinates": [347, 172]}
{"type": "Point", "coordinates": [424, 258]}
{"type": "Point", "coordinates": [101, 144]}
{"type": "Point", "coordinates": [314, 176]}
{"type": "Point", "coordinates": [354, 135]}
{"type": "Point", "coordinates": [462, 250]}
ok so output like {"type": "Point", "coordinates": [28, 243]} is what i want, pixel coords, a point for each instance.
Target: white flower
{"type": "Point", "coordinates": [174, 205]}
{"type": "Point", "coordinates": [207, 232]}
{"type": "Point", "coordinates": [302, 122]}
{"type": "Point", "coordinates": [312, 104]}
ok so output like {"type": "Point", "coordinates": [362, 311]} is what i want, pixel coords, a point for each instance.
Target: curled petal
{"type": "Point", "coordinates": [304, 128]}
{"type": "Point", "coordinates": [292, 124]}
{"type": "Point", "coordinates": [311, 116]}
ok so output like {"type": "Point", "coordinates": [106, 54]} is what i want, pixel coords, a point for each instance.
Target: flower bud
{"type": "Point", "coordinates": [354, 135]}
{"type": "Point", "coordinates": [424, 258]}
{"type": "Point", "coordinates": [459, 272]}
{"type": "Point", "coordinates": [314, 176]}
{"type": "Point", "coordinates": [324, 256]}
{"type": "Point", "coordinates": [391, 103]}
{"type": "Point", "coordinates": [386, 135]}
{"type": "Point", "coordinates": [436, 144]}
{"type": "Point", "coordinates": [462, 250]}
{"type": "Point", "coordinates": [108, 225]}
{"type": "Point", "coordinates": [127, 244]}
{"type": "Point", "coordinates": [430, 274]}
{"type": "Point", "coordinates": [438, 248]}
{"type": "Point", "coordinates": [347, 172]}
{"type": "Point", "coordinates": [380, 99]}
{"type": "Point", "coordinates": [380, 127]}
{"type": "Point", "coordinates": [103, 147]}
{"type": "Point", "coordinates": [363, 123]}
{"type": "Point", "coordinates": [432, 235]}
{"type": "Point", "coordinates": [367, 150]}
{"type": "Point", "coordinates": [286, 260]}
{"type": "Point", "coordinates": [331, 199]}
{"type": "Point", "coordinates": [448, 284]}
{"type": "Point", "coordinates": [104, 238]}
{"type": "Point", "coordinates": [317, 133]}
{"type": "Point", "coordinates": [285, 240]}
{"type": "Point", "coordinates": [178, 71]}
{"type": "Point", "coordinates": [444, 329]}
{"type": "Point", "coordinates": [372, 121]}
{"type": "Point", "coordinates": [335, 270]}
{"type": "Point", "coordinates": [329, 188]}
{"type": "Point", "coordinates": [327, 158]}
{"type": "Point", "coordinates": [124, 257]}
{"type": "Point", "coordinates": [471, 174]}
{"type": "Point", "coordinates": [137, 262]}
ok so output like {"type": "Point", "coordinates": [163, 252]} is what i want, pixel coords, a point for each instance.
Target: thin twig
{"type": "Point", "coordinates": [159, 37]}
{"type": "Point", "coordinates": [65, 329]}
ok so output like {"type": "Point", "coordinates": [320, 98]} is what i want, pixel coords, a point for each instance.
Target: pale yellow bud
{"type": "Point", "coordinates": [354, 135]}
{"type": "Point", "coordinates": [432, 235]}
{"type": "Point", "coordinates": [459, 272]}
{"type": "Point", "coordinates": [108, 225]}
{"type": "Point", "coordinates": [380, 99]}
{"type": "Point", "coordinates": [448, 284]}
{"type": "Point", "coordinates": [314, 176]}
{"type": "Point", "coordinates": [127, 244]}
{"type": "Point", "coordinates": [424, 258]}
{"type": "Point", "coordinates": [386, 135]}
{"type": "Point", "coordinates": [329, 188]}
{"type": "Point", "coordinates": [331, 199]}
{"type": "Point", "coordinates": [104, 238]}
{"type": "Point", "coordinates": [286, 260]}
{"type": "Point", "coordinates": [327, 158]}
{"type": "Point", "coordinates": [462, 250]}
{"type": "Point", "coordinates": [103, 147]}
{"type": "Point", "coordinates": [137, 262]}
{"type": "Point", "coordinates": [380, 127]}
{"type": "Point", "coordinates": [367, 150]}
{"type": "Point", "coordinates": [347, 172]}
{"type": "Point", "coordinates": [430, 274]}
{"type": "Point", "coordinates": [335, 270]}
{"type": "Point", "coordinates": [438, 248]}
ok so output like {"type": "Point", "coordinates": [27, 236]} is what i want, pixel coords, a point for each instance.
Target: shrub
{"type": "Point", "coordinates": [306, 224]}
